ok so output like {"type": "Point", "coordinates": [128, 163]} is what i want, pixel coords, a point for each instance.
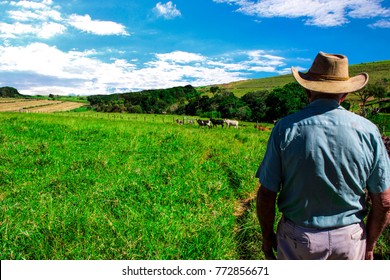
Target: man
{"type": "Point", "coordinates": [320, 161]}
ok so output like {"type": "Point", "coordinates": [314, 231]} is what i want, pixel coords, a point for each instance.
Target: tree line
{"type": "Point", "coordinates": [262, 106]}
{"type": "Point", "coordinates": [255, 106]}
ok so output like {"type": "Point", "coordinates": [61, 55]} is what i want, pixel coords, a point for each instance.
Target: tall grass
{"type": "Point", "coordinates": [90, 188]}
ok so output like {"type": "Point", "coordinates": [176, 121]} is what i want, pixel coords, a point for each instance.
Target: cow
{"type": "Point", "coordinates": [190, 121]}
{"type": "Point", "coordinates": [217, 122]}
{"type": "Point", "coordinates": [230, 123]}
{"type": "Point", "coordinates": [204, 123]}
{"type": "Point", "coordinates": [179, 121]}
{"type": "Point", "coordinates": [262, 128]}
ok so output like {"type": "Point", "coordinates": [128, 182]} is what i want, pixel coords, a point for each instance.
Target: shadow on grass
{"type": "Point", "coordinates": [247, 231]}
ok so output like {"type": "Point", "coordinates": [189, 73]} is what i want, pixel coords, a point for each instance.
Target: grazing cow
{"type": "Point", "coordinates": [190, 121]}
{"type": "Point", "coordinates": [231, 123]}
{"type": "Point", "coordinates": [204, 123]}
{"type": "Point", "coordinates": [217, 122]}
{"type": "Point", "coordinates": [179, 121]}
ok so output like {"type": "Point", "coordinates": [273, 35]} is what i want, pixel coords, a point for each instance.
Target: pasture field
{"type": "Point", "coordinates": [104, 186]}
{"type": "Point", "coordinates": [37, 105]}
{"type": "Point", "coordinates": [76, 186]}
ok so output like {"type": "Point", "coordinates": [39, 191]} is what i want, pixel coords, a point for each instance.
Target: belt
{"type": "Point", "coordinates": [288, 221]}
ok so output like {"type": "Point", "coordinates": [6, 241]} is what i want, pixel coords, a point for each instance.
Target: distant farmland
{"type": "Point", "coordinates": [36, 105]}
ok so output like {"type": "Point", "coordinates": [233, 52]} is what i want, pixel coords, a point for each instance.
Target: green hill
{"type": "Point", "coordinates": [377, 71]}
{"type": "Point", "coordinates": [9, 92]}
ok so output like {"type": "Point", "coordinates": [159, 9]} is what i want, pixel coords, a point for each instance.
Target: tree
{"type": "Point", "coordinates": [228, 104]}
{"type": "Point", "coordinates": [376, 90]}
{"type": "Point", "coordinates": [214, 89]}
{"type": "Point", "coordinates": [136, 109]}
{"type": "Point", "coordinates": [284, 101]}
{"type": "Point", "coordinates": [196, 105]}
{"type": "Point", "coordinates": [256, 102]}
{"type": "Point", "coordinates": [244, 113]}
{"type": "Point", "coordinates": [10, 92]}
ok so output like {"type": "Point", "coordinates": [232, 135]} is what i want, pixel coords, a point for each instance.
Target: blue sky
{"type": "Point", "coordinates": [103, 47]}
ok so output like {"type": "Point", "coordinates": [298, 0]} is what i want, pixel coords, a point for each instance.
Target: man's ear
{"type": "Point", "coordinates": [309, 95]}
{"type": "Point", "coordinates": [343, 97]}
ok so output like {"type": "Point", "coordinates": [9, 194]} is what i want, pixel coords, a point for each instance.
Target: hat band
{"type": "Point", "coordinates": [327, 77]}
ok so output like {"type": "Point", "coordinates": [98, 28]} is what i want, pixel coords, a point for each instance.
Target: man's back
{"type": "Point", "coordinates": [322, 158]}
{"type": "Point", "coordinates": [320, 161]}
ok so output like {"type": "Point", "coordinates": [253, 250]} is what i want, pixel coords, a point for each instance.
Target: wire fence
{"type": "Point", "coordinates": [383, 124]}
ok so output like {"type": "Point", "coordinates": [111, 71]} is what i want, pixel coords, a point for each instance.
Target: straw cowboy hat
{"type": "Point", "coordinates": [329, 74]}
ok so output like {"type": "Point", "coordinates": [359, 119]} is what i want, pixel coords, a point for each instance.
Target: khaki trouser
{"type": "Point", "coordinates": [301, 243]}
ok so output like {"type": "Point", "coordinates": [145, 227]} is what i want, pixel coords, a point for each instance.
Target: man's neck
{"type": "Point", "coordinates": [318, 95]}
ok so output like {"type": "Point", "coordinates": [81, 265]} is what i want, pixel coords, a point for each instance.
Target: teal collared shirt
{"type": "Point", "coordinates": [321, 159]}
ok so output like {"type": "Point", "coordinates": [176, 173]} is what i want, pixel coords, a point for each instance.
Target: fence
{"type": "Point", "coordinates": [383, 124]}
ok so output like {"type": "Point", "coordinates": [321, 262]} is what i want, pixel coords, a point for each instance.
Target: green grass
{"type": "Point", "coordinates": [376, 70]}
{"type": "Point", "coordinates": [382, 120]}
{"type": "Point", "coordinates": [76, 186]}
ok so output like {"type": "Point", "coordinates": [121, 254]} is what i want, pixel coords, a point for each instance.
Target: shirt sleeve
{"type": "Point", "coordinates": [379, 179]}
{"type": "Point", "coordinates": [270, 169]}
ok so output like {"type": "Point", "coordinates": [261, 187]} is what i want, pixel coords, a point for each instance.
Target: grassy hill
{"type": "Point", "coordinates": [376, 70]}
{"type": "Point", "coordinates": [10, 92]}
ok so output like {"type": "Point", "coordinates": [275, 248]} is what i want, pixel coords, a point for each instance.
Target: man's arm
{"type": "Point", "coordinates": [265, 206]}
{"type": "Point", "coordinates": [378, 219]}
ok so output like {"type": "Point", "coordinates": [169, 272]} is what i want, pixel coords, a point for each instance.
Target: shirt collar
{"type": "Point", "coordinates": [324, 102]}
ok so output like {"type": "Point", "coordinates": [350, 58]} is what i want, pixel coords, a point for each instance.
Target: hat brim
{"type": "Point", "coordinates": [329, 86]}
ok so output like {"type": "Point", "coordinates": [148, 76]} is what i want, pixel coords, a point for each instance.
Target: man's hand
{"type": "Point", "coordinates": [369, 255]}
{"type": "Point", "coordinates": [378, 219]}
{"type": "Point", "coordinates": [268, 247]}
{"type": "Point", "coordinates": [266, 200]}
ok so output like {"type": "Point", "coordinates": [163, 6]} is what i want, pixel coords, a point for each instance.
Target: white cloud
{"type": "Point", "coordinates": [316, 12]}
{"type": "Point", "coordinates": [30, 18]}
{"type": "Point", "coordinates": [85, 23]}
{"type": "Point", "coordinates": [23, 15]}
{"type": "Point", "coordinates": [46, 69]}
{"type": "Point", "coordinates": [31, 4]}
{"type": "Point", "coordinates": [16, 29]}
{"type": "Point", "coordinates": [167, 10]}
{"type": "Point", "coordinates": [45, 30]}
{"type": "Point", "coordinates": [180, 57]}
{"type": "Point", "coordinates": [261, 61]}
{"type": "Point", "coordinates": [50, 29]}
{"type": "Point", "coordinates": [41, 59]}
{"type": "Point", "coordinates": [28, 10]}
{"type": "Point", "coordinates": [228, 66]}
{"type": "Point", "coordinates": [381, 24]}
{"type": "Point", "coordinates": [44, 20]}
